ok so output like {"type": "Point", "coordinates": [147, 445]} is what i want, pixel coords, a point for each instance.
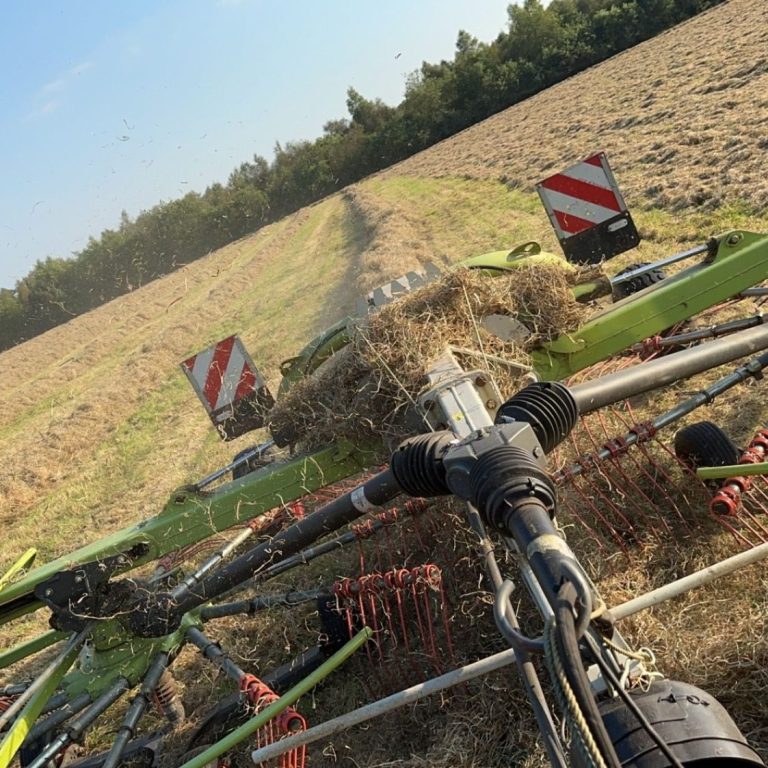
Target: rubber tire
{"type": "Point", "coordinates": [704, 444]}
{"type": "Point", "coordinates": [622, 290]}
{"type": "Point", "coordinates": [247, 468]}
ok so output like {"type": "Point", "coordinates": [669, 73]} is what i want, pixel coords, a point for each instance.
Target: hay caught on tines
{"type": "Point", "coordinates": [370, 388]}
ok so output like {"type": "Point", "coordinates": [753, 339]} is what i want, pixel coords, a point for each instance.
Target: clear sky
{"type": "Point", "coordinates": [111, 106]}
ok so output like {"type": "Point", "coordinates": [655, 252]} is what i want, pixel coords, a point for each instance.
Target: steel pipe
{"type": "Point", "coordinates": [593, 395]}
{"type": "Point", "coordinates": [696, 579]}
{"type": "Point", "coordinates": [377, 708]}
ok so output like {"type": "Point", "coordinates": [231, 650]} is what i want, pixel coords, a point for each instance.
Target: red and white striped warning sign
{"type": "Point", "coordinates": [225, 378]}
{"type": "Point", "coordinates": [582, 196]}
{"type": "Point", "coordinates": [588, 212]}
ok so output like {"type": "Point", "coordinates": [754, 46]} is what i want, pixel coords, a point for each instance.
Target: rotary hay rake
{"type": "Point", "coordinates": [118, 624]}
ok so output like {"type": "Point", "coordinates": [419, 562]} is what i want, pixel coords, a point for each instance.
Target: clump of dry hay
{"type": "Point", "coordinates": [367, 390]}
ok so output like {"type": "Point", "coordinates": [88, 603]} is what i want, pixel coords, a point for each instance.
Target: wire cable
{"type": "Point", "coordinates": [573, 666]}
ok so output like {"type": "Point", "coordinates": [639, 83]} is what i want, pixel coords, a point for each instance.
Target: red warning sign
{"type": "Point", "coordinates": [230, 387]}
{"type": "Point", "coordinates": [588, 212]}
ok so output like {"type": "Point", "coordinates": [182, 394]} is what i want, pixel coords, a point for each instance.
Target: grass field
{"type": "Point", "coordinates": [98, 424]}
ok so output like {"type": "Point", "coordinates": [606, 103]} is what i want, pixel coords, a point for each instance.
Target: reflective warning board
{"type": "Point", "coordinates": [230, 387]}
{"type": "Point", "coordinates": [588, 212]}
{"type": "Point", "coordinates": [387, 293]}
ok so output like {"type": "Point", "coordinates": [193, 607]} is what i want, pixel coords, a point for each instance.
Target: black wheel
{"type": "Point", "coordinates": [248, 466]}
{"type": "Point", "coordinates": [622, 290]}
{"type": "Point", "coordinates": [704, 444]}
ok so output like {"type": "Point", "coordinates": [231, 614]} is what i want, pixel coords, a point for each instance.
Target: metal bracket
{"type": "Point", "coordinates": [84, 591]}
{"type": "Point", "coordinates": [464, 401]}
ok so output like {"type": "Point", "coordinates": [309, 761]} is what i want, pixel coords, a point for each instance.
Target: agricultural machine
{"type": "Point", "coordinates": [124, 610]}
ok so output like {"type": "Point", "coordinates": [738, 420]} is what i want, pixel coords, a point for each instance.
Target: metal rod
{"type": "Point", "coordinates": [136, 709]}
{"type": "Point", "coordinates": [390, 703]}
{"type": "Point", "coordinates": [697, 579]}
{"type": "Point", "coordinates": [696, 251]}
{"type": "Point", "coordinates": [732, 470]}
{"type": "Point", "coordinates": [59, 700]}
{"type": "Point", "coordinates": [531, 583]}
{"type": "Point", "coordinates": [14, 689]}
{"type": "Point", "coordinates": [74, 642]}
{"type": "Point", "coordinates": [156, 613]}
{"type": "Point", "coordinates": [69, 709]}
{"type": "Point", "coordinates": [306, 556]}
{"type": "Point", "coordinates": [215, 559]}
{"type": "Point", "coordinates": [255, 452]}
{"type": "Point", "coordinates": [704, 396]}
{"type": "Point", "coordinates": [81, 723]}
{"type": "Point", "coordinates": [710, 332]}
{"type": "Point", "coordinates": [311, 553]}
{"type": "Point", "coordinates": [250, 607]}
{"type": "Point", "coordinates": [525, 666]}
{"type": "Point", "coordinates": [285, 701]}
{"type": "Point", "coordinates": [213, 652]}
{"type": "Point", "coordinates": [593, 395]}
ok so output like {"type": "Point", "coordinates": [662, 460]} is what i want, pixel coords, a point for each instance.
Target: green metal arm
{"type": "Point", "coordinates": [732, 470]}
{"type": "Point", "coordinates": [315, 354]}
{"type": "Point", "coordinates": [191, 515]}
{"type": "Point", "coordinates": [335, 338]}
{"type": "Point", "coordinates": [741, 260]}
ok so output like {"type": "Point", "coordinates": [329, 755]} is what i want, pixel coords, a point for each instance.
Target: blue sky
{"type": "Point", "coordinates": [111, 106]}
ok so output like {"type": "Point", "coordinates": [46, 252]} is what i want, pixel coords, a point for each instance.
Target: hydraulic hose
{"type": "Point", "coordinates": [158, 614]}
{"type": "Point", "coordinates": [573, 666]}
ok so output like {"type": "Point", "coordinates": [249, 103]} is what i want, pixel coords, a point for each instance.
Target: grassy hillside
{"type": "Point", "coordinates": [98, 424]}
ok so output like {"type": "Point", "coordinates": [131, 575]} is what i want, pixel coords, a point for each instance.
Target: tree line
{"type": "Point", "coordinates": [542, 46]}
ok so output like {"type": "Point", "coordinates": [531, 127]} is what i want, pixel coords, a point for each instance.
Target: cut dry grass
{"type": "Point", "coordinates": [681, 117]}
{"type": "Point", "coordinates": [370, 389]}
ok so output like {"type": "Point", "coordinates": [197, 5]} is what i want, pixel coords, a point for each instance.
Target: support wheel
{"type": "Point", "coordinates": [249, 466]}
{"type": "Point", "coordinates": [704, 444]}
{"type": "Point", "coordinates": [622, 290]}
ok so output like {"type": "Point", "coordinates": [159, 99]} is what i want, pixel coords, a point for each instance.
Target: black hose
{"type": "Point", "coordinates": [574, 670]}
{"type": "Point", "coordinates": [158, 613]}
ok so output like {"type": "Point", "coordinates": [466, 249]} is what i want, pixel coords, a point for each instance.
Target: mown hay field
{"type": "Point", "coordinates": [98, 424]}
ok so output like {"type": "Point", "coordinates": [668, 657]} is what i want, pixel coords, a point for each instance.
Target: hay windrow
{"type": "Point", "coordinates": [369, 389]}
